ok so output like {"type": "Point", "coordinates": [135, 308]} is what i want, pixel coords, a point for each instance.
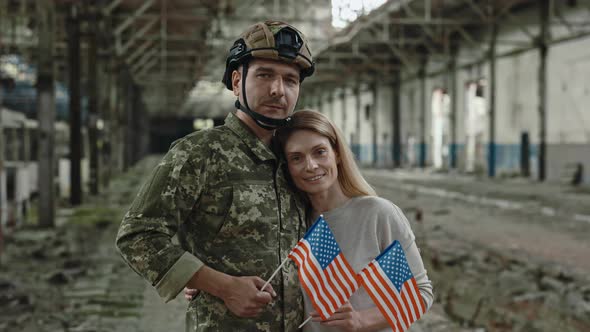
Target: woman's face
{"type": "Point", "coordinates": [312, 162]}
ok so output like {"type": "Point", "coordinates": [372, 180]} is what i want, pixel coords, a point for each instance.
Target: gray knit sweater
{"type": "Point", "coordinates": [364, 226]}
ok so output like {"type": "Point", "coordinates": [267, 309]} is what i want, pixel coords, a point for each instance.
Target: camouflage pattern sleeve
{"type": "Point", "coordinates": [162, 204]}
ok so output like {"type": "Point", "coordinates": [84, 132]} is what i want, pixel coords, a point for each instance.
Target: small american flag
{"type": "Point", "coordinates": [391, 285]}
{"type": "Point", "coordinates": [324, 273]}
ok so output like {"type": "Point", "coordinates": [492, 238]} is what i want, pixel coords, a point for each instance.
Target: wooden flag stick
{"type": "Point", "coordinates": [274, 274]}
{"type": "Point", "coordinates": [307, 320]}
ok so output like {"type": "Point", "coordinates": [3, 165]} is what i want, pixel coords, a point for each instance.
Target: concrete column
{"type": "Point", "coordinates": [106, 82]}
{"type": "Point", "coordinates": [396, 119]}
{"type": "Point", "coordinates": [46, 112]}
{"type": "Point", "coordinates": [111, 121]}
{"type": "Point", "coordinates": [121, 107]}
{"type": "Point", "coordinates": [344, 115]}
{"type": "Point", "coordinates": [15, 146]}
{"type": "Point", "coordinates": [422, 118]}
{"type": "Point", "coordinates": [358, 112]}
{"type": "Point", "coordinates": [73, 29]}
{"type": "Point", "coordinates": [452, 88]}
{"type": "Point", "coordinates": [374, 130]}
{"type": "Point", "coordinates": [543, 48]}
{"type": "Point", "coordinates": [93, 97]}
{"type": "Point", "coordinates": [26, 142]}
{"type": "Point", "coordinates": [330, 102]}
{"type": "Point", "coordinates": [492, 112]}
{"type": "Point", "coordinates": [127, 125]}
{"type": "Point", "coordinates": [3, 85]}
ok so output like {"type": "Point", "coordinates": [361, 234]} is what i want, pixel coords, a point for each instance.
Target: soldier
{"type": "Point", "coordinates": [224, 192]}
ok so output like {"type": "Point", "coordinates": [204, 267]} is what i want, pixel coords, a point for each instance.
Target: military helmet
{"type": "Point", "coordinates": [272, 40]}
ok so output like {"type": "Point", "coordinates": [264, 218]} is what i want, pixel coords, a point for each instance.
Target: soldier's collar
{"type": "Point", "coordinates": [260, 149]}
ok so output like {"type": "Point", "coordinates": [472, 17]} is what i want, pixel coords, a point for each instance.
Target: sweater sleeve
{"type": "Point", "coordinates": [398, 228]}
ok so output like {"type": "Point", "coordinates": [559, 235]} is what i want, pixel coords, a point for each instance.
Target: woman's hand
{"type": "Point", "coordinates": [189, 293]}
{"type": "Point", "coordinates": [346, 319]}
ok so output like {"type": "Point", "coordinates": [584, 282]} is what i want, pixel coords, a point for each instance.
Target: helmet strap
{"type": "Point", "coordinates": [262, 121]}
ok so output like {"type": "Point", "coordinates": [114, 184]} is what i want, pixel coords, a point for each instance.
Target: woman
{"type": "Point", "coordinates": [321, 166]}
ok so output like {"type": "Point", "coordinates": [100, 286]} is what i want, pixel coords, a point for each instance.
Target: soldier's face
{"type": "Point", "coordinates": [272, 87]}
{"type": "Point", "coordinates": [312, 162]}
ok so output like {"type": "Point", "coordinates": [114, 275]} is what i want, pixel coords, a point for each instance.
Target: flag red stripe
{"type": "Point", "coordinates": [322, 281]}
{"type": "Point", "coordinates": [404, 297]}
{"type": "Point", "coordinates": [380, 287]}
{"type": "Point", "coordinates": [394, 325]}
{"type": "Point", "coordinates": [380, 299]}
{"type": "Point", "coordinates": [392, 302]}
{"type": "Point", "coordinates": [309, 292]}
{"type": "Point", "coordinates": [413, 294]}
{"type": "Point", "coordinates": [325, 313]}
{"type": "Point", "coordinates": [353, 286]}
{"type": "Point", "coordinates": [342, 298]}
{"type": "Point", "coordinates": [319, 295]}
{"type": "Point", "coordinates": [391, 293]}
{"type": "Point", "coordinates": [340, 286]}
{"type": "Point", "coordinates": [350, 271]}
{"type": "Point", "coordinates": [420, 299]}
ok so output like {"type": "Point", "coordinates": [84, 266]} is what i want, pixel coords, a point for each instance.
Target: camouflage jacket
{"type": "Point", "coordinates": [224, 193]}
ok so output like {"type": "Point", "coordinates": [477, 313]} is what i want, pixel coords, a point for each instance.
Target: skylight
{"type": "Point", "coordinates": [346, 11]}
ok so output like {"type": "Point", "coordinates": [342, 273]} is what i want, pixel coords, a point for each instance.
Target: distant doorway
{"type": "Point", "coordinates": [440, 128]}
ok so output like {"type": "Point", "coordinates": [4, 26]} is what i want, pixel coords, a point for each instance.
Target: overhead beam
{"type": "Point", "coordinates": [171, 16]}
{"type": "Point", "coordinates": [145, 58]}
{"type": "Point", "coordinates": [140, 33]}
{"type": "Point", "coordinates": [110, 7]}
{"type": "Point", "coordinates": [505, 9]}
{"type": "Point", "coordinates": [477, 10]}
{"type": "Point", "coordinates": [175, 37]}
{"type": "Point", "coordinates": [121, 27]}
{"type": "Point", "coordinates": [432, 21]}
{"type": "Point", "coordinates": [427, 31]}
{"type": "Point", "coordinates": [147, 67]}
{"type": "Point", "coordinates": [524, 30]}
{"type": "Point", "coordinates": [403, 58]}
{"type": "Point", "coordinates": [327, 57]}
{"type": "Point", "coordinates": [159, 80]}
{"type": "Point", "coordinates": [139, 51]}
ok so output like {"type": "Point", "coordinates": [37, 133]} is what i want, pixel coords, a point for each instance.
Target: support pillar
{"type": "Point", "coordinates": [374, 133]}
{"type": "Point", "coordinates": [543, 48]}
{"type": "Point", "coordinates": [330, 102]}
{"type": "Point", "coordinates": [492, 112]}
{"type": "Point", "coordinates": [344, 126]}
{"type": "Point", "coordinates": [452, 88]}
{"type": "Point", "coordinates": [396, 119]}
{"type": "Point", "coordinates": [121, 109]}
{"type": "Point", "coordinates": [73, 27]}
{"type": "Point", "coordinates": [422, 75]}
{"type": "Point", "coordinates": [128, 122]}
{"type": "Point", "coordinates": [109, 105]}
{"type": "Point", "coordinates": [93, 95]}
{"type": "Point", "coordinates": [359, 111]}
{"type": "Point", "coordinates": [46, 113]}
{"type": "Point", "coordinates": [3, 202]}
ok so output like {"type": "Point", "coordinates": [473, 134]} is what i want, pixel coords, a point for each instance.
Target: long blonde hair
{"type": "Point", "coordinates": [350, 178]}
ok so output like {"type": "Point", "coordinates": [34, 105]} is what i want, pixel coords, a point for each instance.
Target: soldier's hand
{"type": "Point", "coordinates": [244, 298]}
